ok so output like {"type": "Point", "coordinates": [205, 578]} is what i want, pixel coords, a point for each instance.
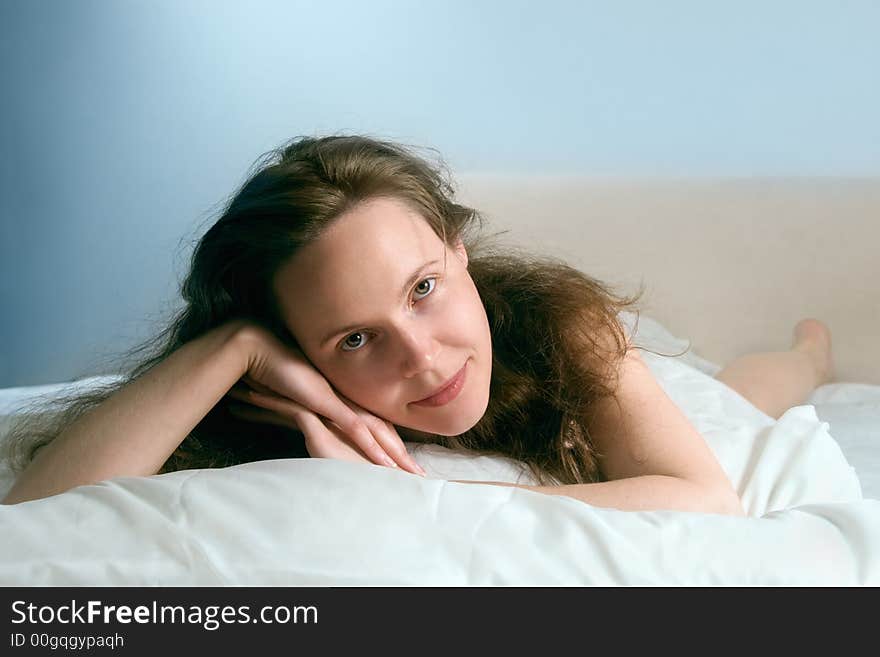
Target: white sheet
{"type": "Point", "coordinates": [318, 522]}
{"type": "Point", "coordinates": [321, 522]}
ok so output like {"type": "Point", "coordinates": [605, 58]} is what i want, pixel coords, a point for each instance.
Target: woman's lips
{"type": "Point", "coordinates": [449, 392]}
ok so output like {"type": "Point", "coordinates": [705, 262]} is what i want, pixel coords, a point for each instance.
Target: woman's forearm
{"type": "Point", "coordinates": [646, 493]}
{"type": "Point", "coordinates": [134, 431]}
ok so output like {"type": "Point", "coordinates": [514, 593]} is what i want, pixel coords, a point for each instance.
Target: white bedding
{"type": "Point", "coordinates": [322, 522]}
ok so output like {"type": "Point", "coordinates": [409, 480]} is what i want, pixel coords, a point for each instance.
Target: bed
{"type": "Point", "coordinates": [809, 481]}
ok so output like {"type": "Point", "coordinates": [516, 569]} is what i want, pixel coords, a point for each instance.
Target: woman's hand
{"type": "Point", "coordinates": [323, 439]}
{"type": "Point", "coordinates": [284, 388]}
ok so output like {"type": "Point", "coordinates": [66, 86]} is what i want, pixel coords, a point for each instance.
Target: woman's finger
{"type": "Point", "coordinates": [376, 438]}
{"type": "Point", "coordinates": [386, 434]}
{"type": "Point", "coordinates": [335, 410]}
{"type": "Point", "coordinates": [256, 385]}
{"type": "Point", "coordinates": [271, 402]}
{"type": "Point", "coordinates": [317, 396]}
{"type": "Point", "coordinates": [302, 417]}
{"type": "Point", "coordinates": [392, 444]}
{"type": "Point", "coordinates": [322, 441]}
{"type": "Point", "coordinates": [246, 387]}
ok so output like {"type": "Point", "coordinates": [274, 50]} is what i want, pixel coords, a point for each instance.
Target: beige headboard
{"type": "Point", "coordinates": [730, 264]}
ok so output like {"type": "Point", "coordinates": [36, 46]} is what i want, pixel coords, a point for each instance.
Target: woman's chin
{"type": "Point", "coordinates": [456, 430]}
{"type": "Point", "coordinates": [453, 426]}
{"type": "Point", "coordinates": [429, 433]}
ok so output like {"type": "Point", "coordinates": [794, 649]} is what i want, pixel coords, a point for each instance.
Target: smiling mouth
{"type": "Point", "coordinates": [449, 392]}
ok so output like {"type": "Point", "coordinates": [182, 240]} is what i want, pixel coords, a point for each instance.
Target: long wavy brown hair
{"type": "Point", "coordinates": [556, 336]}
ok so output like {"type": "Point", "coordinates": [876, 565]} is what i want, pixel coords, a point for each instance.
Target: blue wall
{"type": "Point", "coordinates": [126, 123]}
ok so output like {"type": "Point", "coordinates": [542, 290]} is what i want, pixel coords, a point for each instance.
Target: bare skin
{"type": "Point", "coordinates": [777, 381]}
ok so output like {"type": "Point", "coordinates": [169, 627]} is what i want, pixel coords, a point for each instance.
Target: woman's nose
{"type": "Point", "coordinates": [420, 351]}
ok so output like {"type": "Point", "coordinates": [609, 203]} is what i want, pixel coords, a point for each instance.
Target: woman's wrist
{"type": "Point", "coordinates": [246, 339]}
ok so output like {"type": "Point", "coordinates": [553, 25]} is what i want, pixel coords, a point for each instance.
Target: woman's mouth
{"type": "Point", "coordinates": [449, 391]}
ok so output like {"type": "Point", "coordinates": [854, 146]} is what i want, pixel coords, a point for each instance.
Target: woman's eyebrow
{"type": "Point", "coordinates": [404, 290]}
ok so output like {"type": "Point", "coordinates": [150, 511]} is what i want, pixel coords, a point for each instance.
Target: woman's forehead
{"type": "Point", "coordinates": [358, 263]}
{"type": "Point", "coordinates": [380, 226]}
{"type": "Point", "coordinates": [376, 234]}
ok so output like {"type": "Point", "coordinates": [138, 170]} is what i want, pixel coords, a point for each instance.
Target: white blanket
{"type": "Point", "coordinates": [322, 522]}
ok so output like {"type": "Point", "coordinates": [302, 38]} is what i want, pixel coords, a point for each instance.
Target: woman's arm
{"type": "Point", "coordinates": [651, 454]}
{"type": "Point", "coordinates": [642, 493]}
{"type": "Point", "coordinates": [133, 432]}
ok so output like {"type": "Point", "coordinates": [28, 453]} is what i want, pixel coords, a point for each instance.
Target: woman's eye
{"type": "Point", "coordinates": [353, 342]}
{"type": "Point", "coordinates": [425, 287]}
{"type": "Point", "coordinates": [356, 340]}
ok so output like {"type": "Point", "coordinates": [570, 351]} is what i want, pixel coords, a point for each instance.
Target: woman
{"type": "Point", "coordinates": [341, 302]}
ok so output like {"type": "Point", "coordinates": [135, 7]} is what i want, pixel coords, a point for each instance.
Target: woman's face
{"type": "Point", "coordinates": [389, 314]}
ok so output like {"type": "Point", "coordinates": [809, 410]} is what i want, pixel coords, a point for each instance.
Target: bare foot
{"type": "Point", "coordinates": [813, 337]}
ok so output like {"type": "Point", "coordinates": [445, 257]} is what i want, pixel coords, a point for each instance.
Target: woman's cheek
{"type": "Point", "coordinates": [360, 384]}
{"type": "Point", "coordinates": [469, 317]}
{"type": "Point", "coordinates": [349, 381]}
